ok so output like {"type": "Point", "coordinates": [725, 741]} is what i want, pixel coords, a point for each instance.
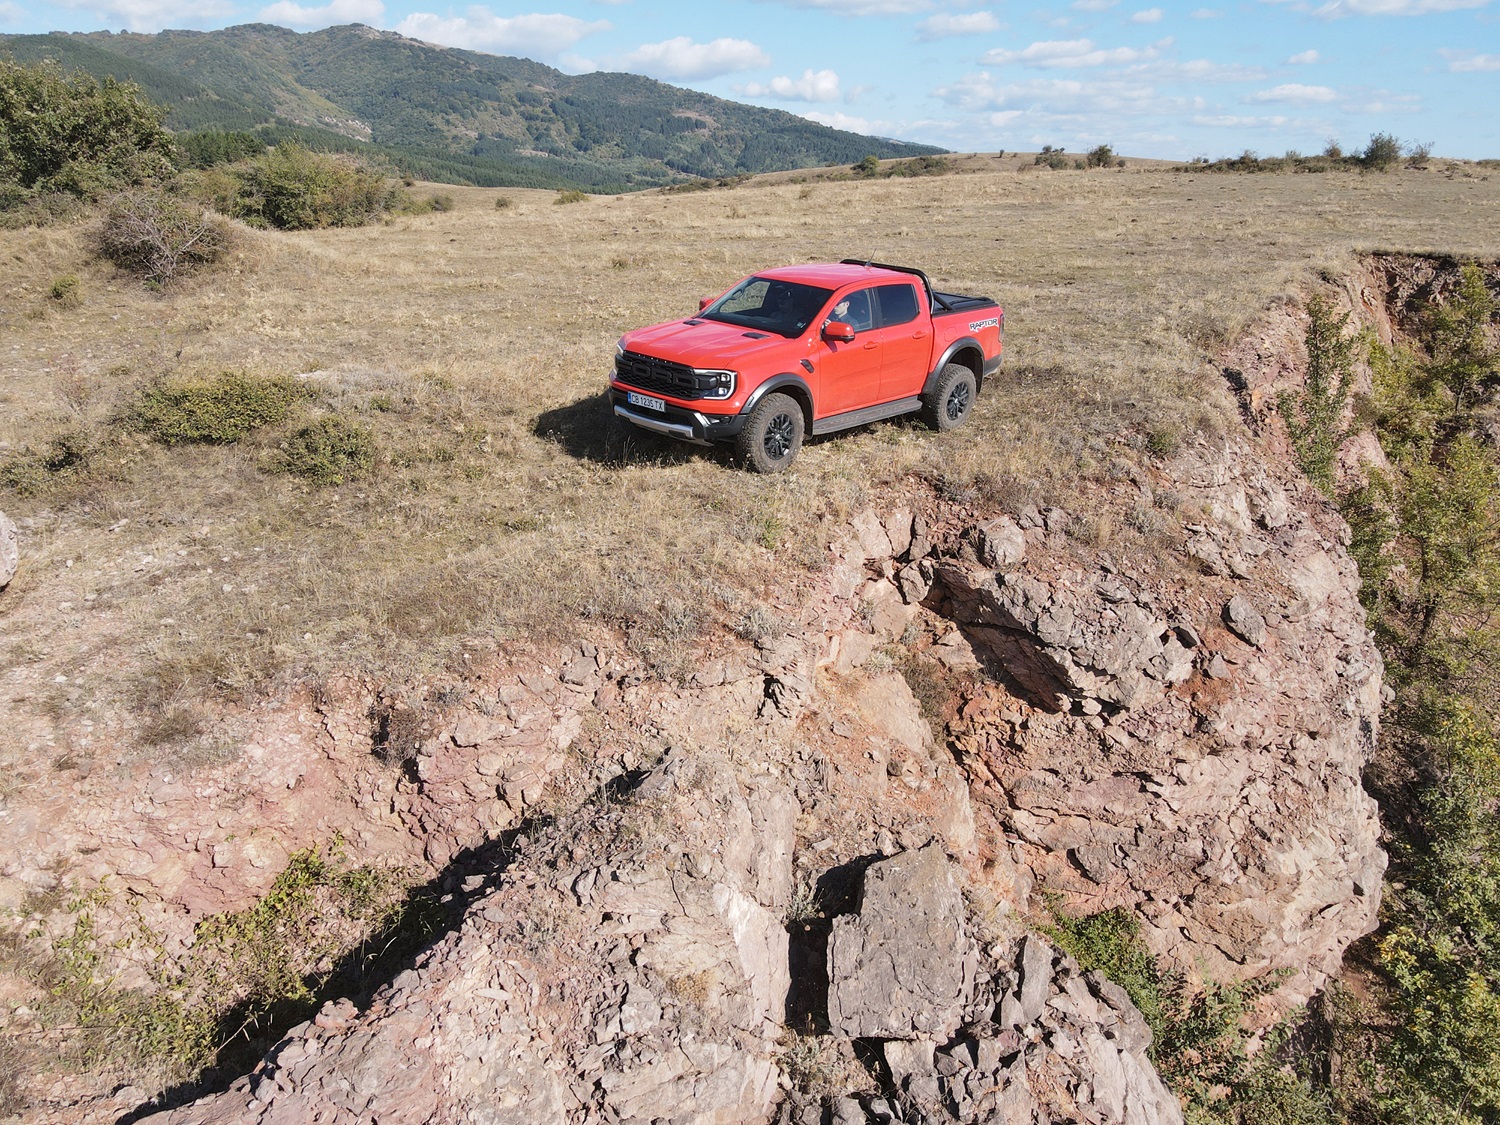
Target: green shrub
{"type": "Point", "coordinates": [73, 134]}
{"type": "Point", "coordinates": [159, 237]}
{"type": "Point", "coordinates": [65, 292]}
{"type": "Point", "coordinates": [572, 196]}
{"type": "Point", "coordinates": [245, 974]}
{"type": "Point", "coordinates": [292, 188]}
{"type": "Point", "coordinates": [1200, 1040]}
{"type": "Point", "coordinates": [214, 411]}
{"type": "Point", "coordinates": [869, 166]}
{"type": "Point", "coordinates": [1101, 157]}
{"type": "Point", "coordinates": [441, 202]}
{"type": "Point", "coordinates": [1462, 357]}
{"type": "Point", "coordinates": [1314, 415]}
{"type": "Point", "coordinates": [1050, 157]}
{"type": "Point", "coordinates": [1382, 153]}
{"type": "Point", "coordinates": [68, 453]}
{"type": "Point", "coordinates": [330, 450]}
{"type": "Point", "coordinates": [1111, 943]}
{"type": "Point", "coordinates": [503, 202]}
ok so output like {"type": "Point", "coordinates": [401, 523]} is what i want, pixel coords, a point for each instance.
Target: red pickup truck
{"type": "Point", "coordinates": [808, 349]}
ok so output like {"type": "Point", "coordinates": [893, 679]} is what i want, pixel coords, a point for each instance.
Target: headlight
{"type": "Point", "coordinates": [715, 383]}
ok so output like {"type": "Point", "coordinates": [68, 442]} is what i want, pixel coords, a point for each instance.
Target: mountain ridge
{"type": "Point", "coordinates": [450, 114]}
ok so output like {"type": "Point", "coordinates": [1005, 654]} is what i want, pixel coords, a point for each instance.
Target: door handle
{"type": "Point", "coordinates": [919, 335]}
{"type": "Point", "coordinates": [870, 346]}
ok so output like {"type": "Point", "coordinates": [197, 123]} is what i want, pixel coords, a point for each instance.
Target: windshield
{"type": "Point", "coordinates": [783, 307]}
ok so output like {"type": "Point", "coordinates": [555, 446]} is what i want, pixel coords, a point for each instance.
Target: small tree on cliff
{"type": "Point", "coordinates": [1314, 416]}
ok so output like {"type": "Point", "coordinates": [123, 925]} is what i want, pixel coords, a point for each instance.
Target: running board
{"type": "Point", "coordinates": [835, 422]}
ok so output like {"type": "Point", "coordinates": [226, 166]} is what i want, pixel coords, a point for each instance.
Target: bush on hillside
{"type": "Point", "coordinates": [1382, 153]}
{"type": "Point", "coordinates": [330, 450]}
{"type": "Point", "coordinates": [158, 236]}
{"type": "Point", "coordinates": [1050, 157]}
{"type": "Point", "coordinates": [214, 411]}
{"type": "Point", "coordinates": [292, 188]}
{"type": "Point", "coordinates": [74, 135]}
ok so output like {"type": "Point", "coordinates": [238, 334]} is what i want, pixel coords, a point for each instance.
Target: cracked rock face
{"type": "Point", "coordinates": [645, 982]}
{"type": "Point", "coordinates": [1190, 749]}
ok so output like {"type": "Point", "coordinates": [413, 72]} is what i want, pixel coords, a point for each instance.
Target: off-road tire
{"type": "Point", "coordinates": [947, 405]}
{"type": "Point", "coordinates": [772, 434]}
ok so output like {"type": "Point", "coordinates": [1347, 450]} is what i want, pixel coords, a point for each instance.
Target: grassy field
{"type": "Point", "coordinates": [474, 343]}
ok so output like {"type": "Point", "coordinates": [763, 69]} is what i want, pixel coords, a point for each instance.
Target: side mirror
{"type": "Point", "coordinates": [837, 332]}
{"type": "Point", "coordinates": [704, 302]}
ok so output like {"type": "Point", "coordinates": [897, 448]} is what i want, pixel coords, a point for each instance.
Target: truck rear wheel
{"type": "Point", "coordinates": [772, 434]}
{"type": "Point", "coordinates": [948, 404]}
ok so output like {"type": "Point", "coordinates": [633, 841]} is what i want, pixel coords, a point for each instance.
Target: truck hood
{"type": "Point", "coordinates": [702, 343]}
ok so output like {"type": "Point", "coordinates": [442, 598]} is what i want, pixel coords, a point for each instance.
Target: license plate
{"type": "Point", "coordinates": [647, 401]}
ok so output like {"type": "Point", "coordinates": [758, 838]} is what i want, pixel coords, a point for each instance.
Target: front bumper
{"type": "Point", "coordinates": [678, 422]}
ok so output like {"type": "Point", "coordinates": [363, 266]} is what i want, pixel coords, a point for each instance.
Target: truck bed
{"type": "Point", "coordinates": [944, 304]}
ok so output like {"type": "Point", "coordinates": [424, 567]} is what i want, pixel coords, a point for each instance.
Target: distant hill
{"type": "Point", "coordinates": [450, 115]}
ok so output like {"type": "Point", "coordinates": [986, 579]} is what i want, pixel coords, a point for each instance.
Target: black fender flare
{"type": "Point", "coordinates": [782, 382]}
{"type": "Point", "coordinates": [966, 343]}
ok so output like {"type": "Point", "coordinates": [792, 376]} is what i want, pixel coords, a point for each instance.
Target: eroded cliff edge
{"type": "Point", "coordinates": [1176, 725]}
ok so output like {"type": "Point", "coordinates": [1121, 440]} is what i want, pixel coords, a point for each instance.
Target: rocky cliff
{"type": "Point", "coordinates": [788, 888]}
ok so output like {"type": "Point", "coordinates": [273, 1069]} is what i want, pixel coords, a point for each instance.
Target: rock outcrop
{"type": "Point", "coordinates": [1188, 747]}
{"type": "Point", "coordinates": [1011, 1033]}
{"type": "Point", "coordinates": [10, 550]}
{"type": "Point", "coordinates": [644, 980]}
{"type": "Point", "coordinates": [649, 984]}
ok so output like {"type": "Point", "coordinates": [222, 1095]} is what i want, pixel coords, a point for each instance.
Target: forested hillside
{"type": "Point", "coordinates": [451, 115]}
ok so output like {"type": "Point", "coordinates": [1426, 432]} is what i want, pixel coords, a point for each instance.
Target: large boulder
{"type": "Point", "coordinates": [903, 967]}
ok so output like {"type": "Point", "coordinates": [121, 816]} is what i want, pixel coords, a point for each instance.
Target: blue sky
{"type": "Point", "coordinates": [1150, 77]}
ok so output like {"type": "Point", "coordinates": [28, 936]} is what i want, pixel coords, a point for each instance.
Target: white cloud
{"type": "Point", "coordinates": [813, 86]}
{"type": "Point", "coordinates": [1093, 5]}
{"type": "Point", "coordinates": [1294, 93]}
{"type": "Point", "coordinates": [480, 29]}
{"type": "Point", "coordinates": [1336, 9]}
{"type": "Point", "coordinates": [865, 7]}
{"type": "Point", "coordinates": [681, 57]}
{"type": "Point", "coordinates": [1466, 62]}
{"type": "Point", "coordinates": [1229, 121]}
{"type": "Point", "coordinates": [946, 26]}
{"type": "Point", "coordinates": [10, 13]}
{"type": "Point", "coordinates": [153, 15]}
{"type": "Point", "coordinates": [837, 120]}
{"type": "Point", "coordinates": [337, 11]}
{"type": "Point", "coordinates": [1148, 15]}
{"type": "Point", "coordinates": [1302, 58]}
{"type": "Point", "coordinates": [1207, 13]}
{"type": "Point", "coordinates": [1062, 53]}
{"type": "Point", "coordinates": [1201, 70]}
{"type": "Point", "coordinates": [1054, 98]}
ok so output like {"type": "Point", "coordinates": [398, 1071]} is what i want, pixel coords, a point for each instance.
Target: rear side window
{"type": "Point", "coordinates": [898, 304]}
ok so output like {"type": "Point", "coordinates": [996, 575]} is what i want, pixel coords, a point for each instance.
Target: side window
{"type": "Point", "coordinates": [898, 304]}
{"type": "Point", "coordinates": [854, 310]}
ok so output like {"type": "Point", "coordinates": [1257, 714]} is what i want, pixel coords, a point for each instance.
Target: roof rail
{"type": "Point", "coordinates": [932, 294]}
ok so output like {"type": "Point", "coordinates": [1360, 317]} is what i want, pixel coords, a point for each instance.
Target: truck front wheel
{"type": "Point", "coordinates": [948, 404]}
{"type": "Point", "coordinates": [772, 434]}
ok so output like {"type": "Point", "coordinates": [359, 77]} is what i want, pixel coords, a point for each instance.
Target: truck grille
{"type": "Point", "coordinates": [662, 376]}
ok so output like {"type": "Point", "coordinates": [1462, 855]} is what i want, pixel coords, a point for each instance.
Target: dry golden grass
{"type": "Point", "coordinates": [475, 342]}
